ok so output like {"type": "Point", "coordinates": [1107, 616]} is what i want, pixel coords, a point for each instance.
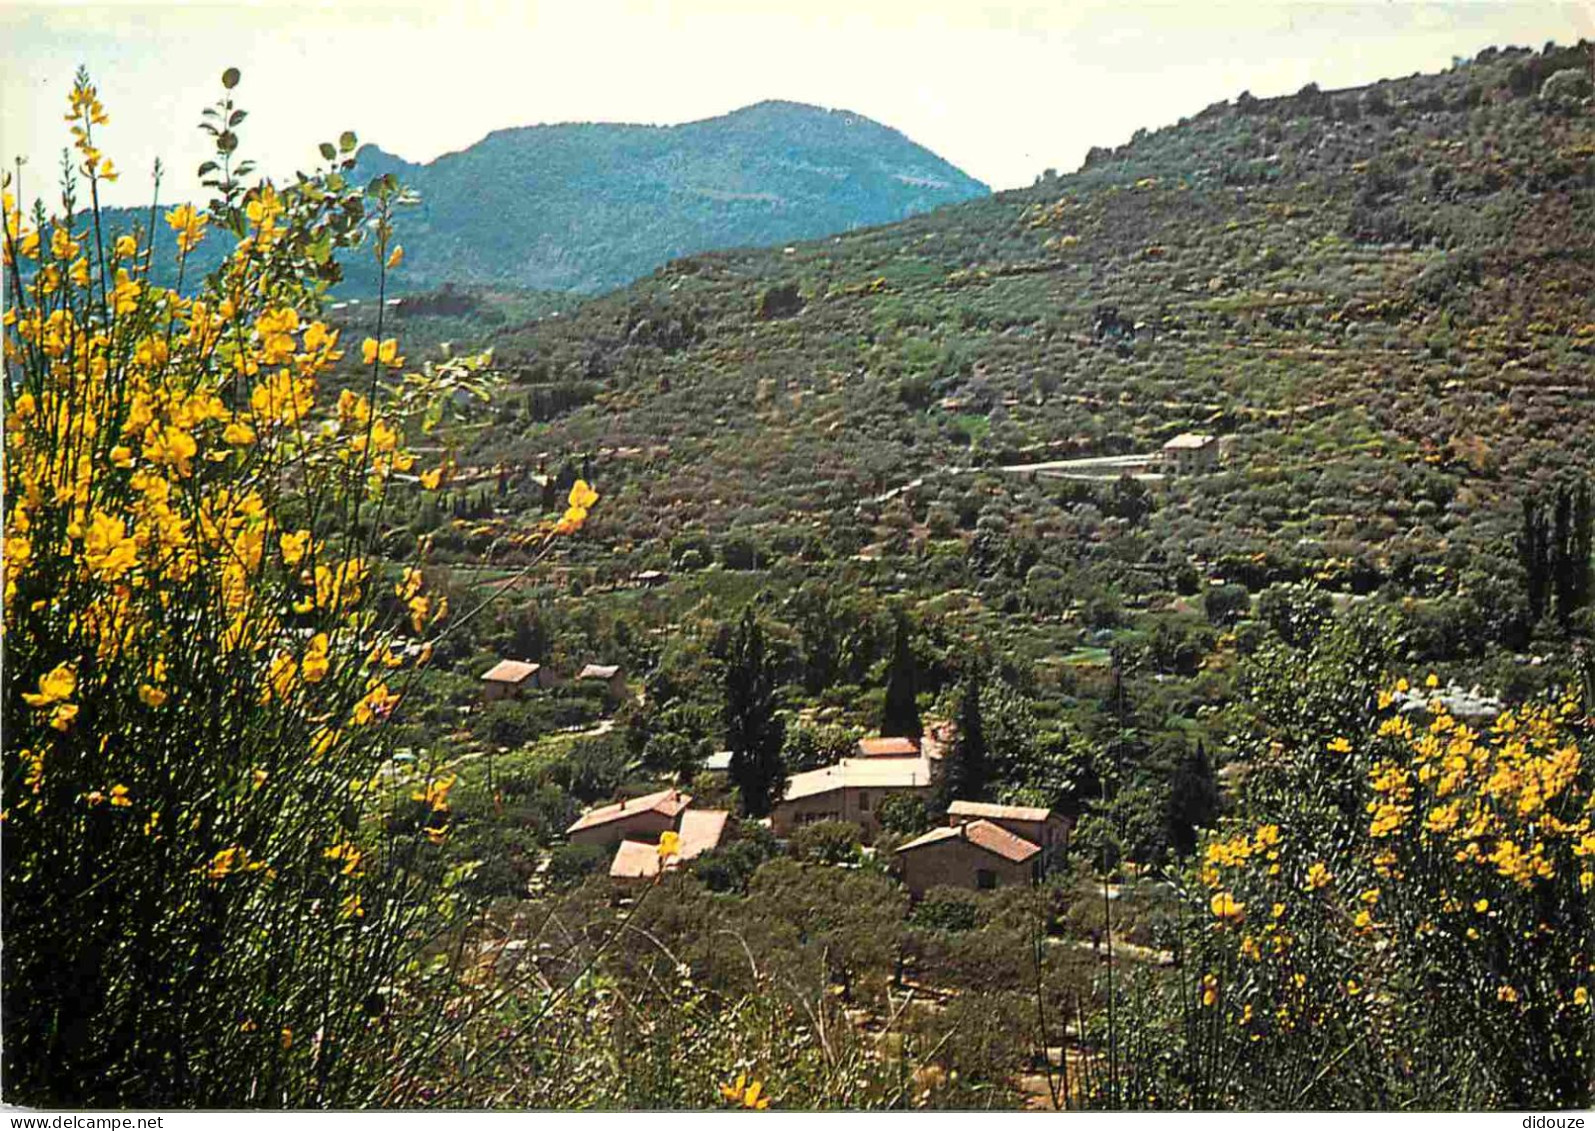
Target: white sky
{"type": "Point", "coordinates": [1002, 90]}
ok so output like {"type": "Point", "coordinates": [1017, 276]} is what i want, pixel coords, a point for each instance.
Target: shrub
{"type": "Point", "coordinates": [201, 654]}
{"type": "Point", "coordinates": [826, 842]}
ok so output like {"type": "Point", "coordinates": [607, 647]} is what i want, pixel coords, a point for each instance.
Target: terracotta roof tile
{"type": "Point", "coordinates": [510, 671]}
{"type": "Point", "coordinates": [667, 801]}
{"type": "Point", "coordinates": [997, 812]}
{"type": "Point", "coordinates": [635, 860]}
{"type": "Point", "coordinates": [982, 834]}
{"type": "Point", "coordinates": [701, 830]}
{"type": "Point", "coordinates": [887, 748]}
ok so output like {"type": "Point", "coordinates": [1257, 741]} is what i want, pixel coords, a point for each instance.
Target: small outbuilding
{"type": "Point", "coordinates": [609, 676]}
{"type": "Point", "coordinates": [507, 679]}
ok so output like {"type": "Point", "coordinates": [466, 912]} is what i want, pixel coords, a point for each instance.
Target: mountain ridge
{"type": "Point", "coordinates": [586, 206]}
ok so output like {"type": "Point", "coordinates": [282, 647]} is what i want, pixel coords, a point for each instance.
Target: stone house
{"type": "Point", "coordinates": [636, 818]}
{"type": "Point", "coordinates": [610, 676]}
{"type": "Point", "coordinates": [507, 679]}
{"type": "Point", "coordinates": [850, 790]}
{"type": "Point", "coordinates": [1190, 452]}
{"type": "Point", "coordinates": [1039, 826]}
{"type": "Point", "coordinates": [977, 854]}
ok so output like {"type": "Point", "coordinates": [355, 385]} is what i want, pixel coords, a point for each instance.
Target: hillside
{"type": "Point", "coordinates": [586, 207]}
{"type": "Point", "coordinates": [1381, 297]}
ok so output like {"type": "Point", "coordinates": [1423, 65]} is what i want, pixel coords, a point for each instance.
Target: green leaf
{"type": "Point", "coordinates": [230, 77]}
{"type": "Point", "coordinates": [347, 141]}
{"type": "Point", "coordinates": [208, 167]}
{"type": "Point", "coordinates": [327, 152]}
{"type": "Point", "coordinates": [237, 116]}
{"type": "Point", "coordinates": [227, 142]}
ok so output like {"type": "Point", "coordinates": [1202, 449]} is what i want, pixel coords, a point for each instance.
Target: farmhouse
{"type": "Point", "coordinates": [1190, 452]}
{"type": "Point", "coordinates": [636, 818]}
{"type": "Point", "coordinates": [1042, 827]}
{"type": "Point", "coordinates": [977, 854]}
{"type": "Point", "coordinates": [508, 678]}
{"type": "Point", "coordinates": [850, 790]}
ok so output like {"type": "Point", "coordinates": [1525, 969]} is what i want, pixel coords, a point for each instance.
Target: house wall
{"type": "Point", "coordinates": [1188, 460]}
{"type": "Point", "coordinates": [644, 825]}
{"type": "Point", "coordinates": [957, 863]}
{"type": "Point", "coordinates": [848, 804]}
{"type": "Point", "coordinates": [493, 690]}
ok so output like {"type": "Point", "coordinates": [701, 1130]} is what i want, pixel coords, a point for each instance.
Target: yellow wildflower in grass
{"type": "Point", "coordinates": [1318, 876]}
{"type": "Point", "coordinates": [1339, 746]}
{"type": "Point", "coordinates": [1580, 996]}
{"type": "Point", "coordinates": [119, 797]}
{"type": "Point", "coordinates": [744, 1094]}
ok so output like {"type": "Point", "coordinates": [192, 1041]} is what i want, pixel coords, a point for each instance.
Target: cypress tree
{"type": "Point", "coordinates": [754, 732]}
{"type": "Point", "coordinates": [967, 772]}
{"type": "Point", "coordinates": [900, 713]}
{"type": "Point", "coordinates": [1534, 552]}
{"type": "Point", "coordinates": [1193, 799]}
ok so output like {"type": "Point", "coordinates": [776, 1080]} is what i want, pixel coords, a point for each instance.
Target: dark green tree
{"type": "Point", "coordinates": [900, 714]}
{"type": "Point", "coordinates": [966, 774]}
{"type": "Point", "coordinates": [754, 732]}
{"type": "Point", "coordinates": [1193, 799]}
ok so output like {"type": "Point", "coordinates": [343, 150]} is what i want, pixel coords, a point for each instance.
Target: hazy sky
{"type": "Point", "coordinates": [1002, 90]}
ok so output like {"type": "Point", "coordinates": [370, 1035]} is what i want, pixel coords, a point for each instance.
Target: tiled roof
{"type": "Point", "coordinates": [1193, 440]}
{"type": "Point", "coordinates": [701, 830]}
{"type": "Point", "coordinates": [887, 748]}
{"type": "Point", "coordinates": [599, 671]}
{"type": "Point", "coordinates": [635, 860]}
{"type": "Point", "coordinates": [997, 812]}
{"type": "Point", "coordinates": [666, 801]}
{"type": "Point", "coordinates": [982, 834]}
{"type": "Point", "coordinates": [860, 773]}
{"type": "Point", "coordinates": [510, 671]}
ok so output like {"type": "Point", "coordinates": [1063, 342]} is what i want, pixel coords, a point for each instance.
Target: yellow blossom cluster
{"type": "Point", "coordinates": [1510, 801]}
